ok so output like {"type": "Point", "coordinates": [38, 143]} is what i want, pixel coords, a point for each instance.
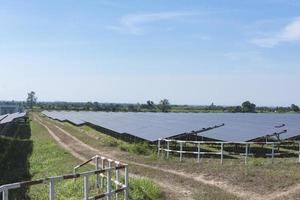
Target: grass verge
{"type": "Point", "coordinates": [49, 159]}
{"type": "Point", "coordinates": [260, 175]}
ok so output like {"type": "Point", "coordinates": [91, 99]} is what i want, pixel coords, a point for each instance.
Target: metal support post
{"type": "Point", "coordinates": [5, 195]}
{"type": "Point", "coordinates": [199, 152]}
{"type": "Point", "coordinates": [180, 151]}
{"type": "Point", "coordinates": [222, 146]}
{"type": "Point", "coordinates": [118, 180]}
{"type": "Point", "coordinates": [168, 148]}
{"type": "Point", "coordinates": [108, 186]}
{"type": "Point", "coordinates": [246, 154]}
{"type": "Point", "coordinates": [102, 178]}
{"type": "Point", "coordinates": [299, 153]}
{"type": "Point", "coordinates": [158, 148]}
{"type": "Point", "coordinates": [51, 189]}
{"type": "Point", "coordinates": [273, 146]}
{"type": "Point", "coordinates": [97, 175]}
{"type": "Point", "coordinates": [85, 187]}
{"type": "Point", "coordinates": [126, 183]}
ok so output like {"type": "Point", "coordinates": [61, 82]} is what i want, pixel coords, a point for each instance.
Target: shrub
{"type": "Point", "coordinates": [137, 148]}
{"type": "Point", "coordinates": [140, 188]}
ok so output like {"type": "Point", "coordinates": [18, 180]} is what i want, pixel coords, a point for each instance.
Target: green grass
{"type": "Point", "coordinates": [49, 159]}
{"type": "Point", "coordinates": [259, 175]}
{"type": "Point", "coordinates": [144, 189]}
{"type": "Point", "coordinates": [138, 148]}
{"type": "Point", "coordinates": [99, 140]}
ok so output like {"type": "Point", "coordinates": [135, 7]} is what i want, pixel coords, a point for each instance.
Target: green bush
{"type": "Point", "coordinates": [136, 148]}
{"type": "Point", "coordinates": [144, 189]}
{"type": "Point", "coordinates": [111, 142]}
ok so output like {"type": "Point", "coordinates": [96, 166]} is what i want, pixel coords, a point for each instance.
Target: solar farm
{"type": "Point", "coordinates": [187, 133]}
{"type": "Point", "coordinates": [261, 152]}
{"type": "Point", "coordinates": [8, 118]}
{"type": "Point", "coordinates": [238, 127]}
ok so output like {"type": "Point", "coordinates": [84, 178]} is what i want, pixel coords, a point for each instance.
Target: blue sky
{"type": "Point", "coordinates": [189, 51]}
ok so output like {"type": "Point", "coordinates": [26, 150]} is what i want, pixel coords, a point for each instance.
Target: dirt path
{"type": "Point", "coordinates": [84, 151]}
{"type": "Point", "coordinates": [280, 195]}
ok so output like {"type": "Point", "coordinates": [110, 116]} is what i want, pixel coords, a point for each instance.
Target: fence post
{"type": "Point", "coordinates": [180, 151]}
{"type": "Point", "coordinates": [108, 186]}
{"type": "Point", "coordinates": [85, 187]}
{"type": "Point", "coordinates": [102, 178]}
{"type": "Point", "coordinates": [272, 152]}
{"type": "Point", "coordinates": [51, 190]}
{"type": "Point", "coordinates": [5, 195]}
{"type": "Point", "coordinates": [299, 154]}
{"type": "Point", "coordinates": [222, 152]}
{"type": "Point", "coordinates": [126, 183]}
{"type": "Point", "coordinates": [168, 148]}
{"type": "Point", "coordinates": [246, 154]}
{"type": "Point", "coordinates": [158, 147]}
{"type": "Point", "coordinates": [97, 175]}
{"type": "Point", "coordinates": [118, 180]}
{"type": "Point", "coordinates": [198, 152]}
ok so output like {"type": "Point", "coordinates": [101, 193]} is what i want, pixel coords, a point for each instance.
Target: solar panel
{"type": "Point", "coordinates": [11, 117]}
{"type": "Point", "coordinates": [151, 126]}
{"type": "Point", "coordinates": [63, 116]}
{"type": "Point", "coordinates": [2, 117]}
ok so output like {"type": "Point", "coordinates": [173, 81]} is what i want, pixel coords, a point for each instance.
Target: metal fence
{"type": "Point", "coordinates": [105, 170]}
{"type": "Point", "coordinates": [164, 146]}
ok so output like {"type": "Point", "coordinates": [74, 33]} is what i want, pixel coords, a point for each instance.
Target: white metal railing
{"type": "Point", "coordinates": [199, 152]}
{"type": "Point", "coordinates": [104, 171]}
{"type": "Point", "coordinates": [102, 162]}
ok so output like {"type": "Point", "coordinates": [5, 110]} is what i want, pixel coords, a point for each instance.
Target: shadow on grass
{"type": "Point", "coordinates": [234, 151]}
{"type": "Point", "coordinates": [15, 150]}
{"type": "Point", "coordinates": [211, 153]}
{"type": "Point", "coordinates": [259, 151]}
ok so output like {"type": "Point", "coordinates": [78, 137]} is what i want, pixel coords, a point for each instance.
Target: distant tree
{"type": "Point", "coordinates": [89, 106]}
{"type": "Point", "coordinates": [282, 109]}
{"type": "Point", "coordinates": [237, 109]}
{"type": "Point", "coordinates": [97, 106]}
{"type": "Point", "coordinates": [212, 106]}
{"type": "Point", "coordinates": [248, 107]}
{"type": "Point", "coordinates": [295, 108]}
{"type": "Point", "coordinates": [150, 105]}
{"type": "Point", "coordinates": [31, 99]}
{"type": "Point", "coordinates": [164, 105]}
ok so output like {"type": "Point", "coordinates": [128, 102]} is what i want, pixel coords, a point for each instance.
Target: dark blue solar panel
{"type": "Point", "coordinates": [151, 126]}
{"type": "Point", "coordinates": [2, 117]}
{"type": "Point", "coordinates": [11, 117]}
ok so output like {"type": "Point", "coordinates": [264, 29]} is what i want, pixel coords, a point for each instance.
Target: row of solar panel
{"type": "Point", "coordinates": [7, 118]}
{"type": "Point", "coordinates": [151, 126]}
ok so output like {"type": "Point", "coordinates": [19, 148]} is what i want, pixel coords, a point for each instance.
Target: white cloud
{"type": "Point", "coordinates": [289, 34]}
{"type": "Point", "coordinates": [133, 23]}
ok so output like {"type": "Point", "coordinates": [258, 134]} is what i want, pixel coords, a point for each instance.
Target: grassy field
{"type": "Point", "coordinates": [15, 150]}
{"type": "Point", "coordinates": [49, 159]}
{"type": "Point", "coordinates": [260, 175]}
{"type": "Point", "coordinates": [28, 153]}
{"type": "Point", "coordinates": [111, 145]}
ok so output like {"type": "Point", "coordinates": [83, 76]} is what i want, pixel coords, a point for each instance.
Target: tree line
{"type": "Point", "coordinates": [163, 105]}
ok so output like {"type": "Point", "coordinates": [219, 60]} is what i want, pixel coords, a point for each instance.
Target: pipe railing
{"type": "Point", "coordinates": [102, 162]}
{"type": "Point", "coordinates": [199, 152]}
{"type": "Point", "coordinates": [119, 186]}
